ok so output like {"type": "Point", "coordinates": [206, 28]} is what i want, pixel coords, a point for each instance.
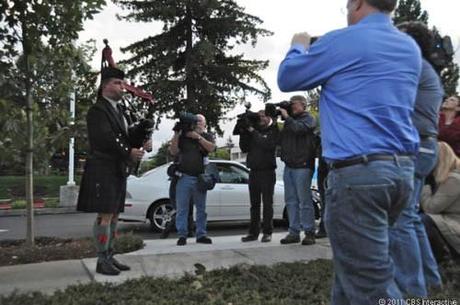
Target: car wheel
{"type": "Point", "coordinates": [160, 215]}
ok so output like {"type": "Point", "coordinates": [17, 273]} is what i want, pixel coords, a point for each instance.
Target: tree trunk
{"type": "Point", "coordinates": [29, 171]}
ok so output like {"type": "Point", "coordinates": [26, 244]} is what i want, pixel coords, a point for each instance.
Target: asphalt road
{"type": "Point", "coordinates": [80, 225]}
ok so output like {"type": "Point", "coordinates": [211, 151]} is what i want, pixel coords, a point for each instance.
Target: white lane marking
{"type": "Point", "coordinates": [2, 231]}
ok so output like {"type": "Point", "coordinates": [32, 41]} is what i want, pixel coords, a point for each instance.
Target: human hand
{"type": "Point", "coordinates": [284, 113]}
{"type": "Point", "coordinates": [301, 38]}
{"type": "Point", "coordinates": [136, 154]}
{"type": "Point", "coordinates": [193, 135]}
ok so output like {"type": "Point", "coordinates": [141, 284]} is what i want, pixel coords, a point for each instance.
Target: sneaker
{"type": "Point", "coordinates": [248, 238]}
{"type": "Point", "coordinates": [290, 239]}
{"type": "Point", "coordinates": [204, 240]}
{"type": "Point", "coordinates": [266, 238]}
{"type": "Point", "coordinates": [309, 239]}
{"type": "Point", "coordinates": [182, 241]}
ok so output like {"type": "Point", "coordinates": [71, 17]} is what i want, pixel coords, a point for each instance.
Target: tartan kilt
{"type": "Point", "coordinates": [103, 188]}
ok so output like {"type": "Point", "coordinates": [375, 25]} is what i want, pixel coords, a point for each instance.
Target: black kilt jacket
{"type": "Point", "coordinates": [103, 185]}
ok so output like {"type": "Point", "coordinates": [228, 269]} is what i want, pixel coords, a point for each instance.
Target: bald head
{"type": "Point", "coordinates": [201, 122]}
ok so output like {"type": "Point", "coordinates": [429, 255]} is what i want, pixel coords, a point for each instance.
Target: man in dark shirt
{"type": "Point", "coordinates": [192, 149]}
{"type": "Point", "coordinates": [260, 143]}
{"type": "Point", "coordinates": [298, 153]}
{"type": "Point", "coordinates": [415, 265]}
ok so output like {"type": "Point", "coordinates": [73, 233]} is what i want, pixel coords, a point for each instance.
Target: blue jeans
{"type": "Point", "coordinates": [299, 204]}
{"type": "Point", "coordinates": [363, 200]}
{"type": "Point", "coordinates": [415, 266]}
{"type": "Point", "coordinates": [186, 189]}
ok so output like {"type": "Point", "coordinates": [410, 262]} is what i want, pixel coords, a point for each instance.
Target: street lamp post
{"type": "Point", "coordinates": [71, 180]}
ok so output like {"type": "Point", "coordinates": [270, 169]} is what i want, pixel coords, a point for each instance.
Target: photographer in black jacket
{"type": "Point", "coordinates": [298, 150]}
{"type": "Point", "coordinates": [260, 144]}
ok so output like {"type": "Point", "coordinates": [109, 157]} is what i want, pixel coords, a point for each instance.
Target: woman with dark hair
{"type": "Point", "coordinates": [449, 123]}
{"type": "Point", "coordinates": [442, 208]}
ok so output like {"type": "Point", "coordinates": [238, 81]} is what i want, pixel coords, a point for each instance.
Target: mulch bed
{"type": "Point", "coordinates": [14, 252]}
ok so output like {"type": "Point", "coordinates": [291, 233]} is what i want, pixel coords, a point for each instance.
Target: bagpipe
{"type": "Point", "coordinates": [137, 107]}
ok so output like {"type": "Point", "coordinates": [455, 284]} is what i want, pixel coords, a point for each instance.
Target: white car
{"type": "Point", "coordinates": [147, 197]}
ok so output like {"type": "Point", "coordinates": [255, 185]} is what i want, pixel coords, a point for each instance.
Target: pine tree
{"type": "Point", "coordinates": [192, 64]}
{"type": "Point", "coordinates": [411, 10]}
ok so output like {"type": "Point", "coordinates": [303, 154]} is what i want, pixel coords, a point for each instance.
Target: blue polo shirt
{"type": "Point", "coordinates": [369, 74]}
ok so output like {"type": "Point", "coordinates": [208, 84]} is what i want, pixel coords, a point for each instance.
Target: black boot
{"type": "Point", "coordinates": [116, 263]}
{"type": "Point", "coordinates": [168, 229]}
{"type": "Point", "coordinates": [105, 266]}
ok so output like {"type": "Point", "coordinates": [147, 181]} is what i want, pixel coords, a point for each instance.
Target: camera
{"type": "Point", "coordinates": [272, 109]}
{"type": "Point", "coordinates": [442, 51]}
{"type": "Point", "coordinates": [139, 132]}
{"type": "Point", "coordinates": [245, 120]}
{"type": "Point", "coordinates": [187, 122]}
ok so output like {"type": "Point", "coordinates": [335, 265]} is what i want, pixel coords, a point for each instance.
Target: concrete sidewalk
{"type": "Point", "coordinates": [160, 258]}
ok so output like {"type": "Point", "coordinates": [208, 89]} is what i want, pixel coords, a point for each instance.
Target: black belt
{"type": "Point", "coordinates": [365, 159]}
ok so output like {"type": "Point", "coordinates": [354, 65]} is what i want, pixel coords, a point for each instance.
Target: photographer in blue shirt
{"type": "Point", "coordinates": [369, 74]}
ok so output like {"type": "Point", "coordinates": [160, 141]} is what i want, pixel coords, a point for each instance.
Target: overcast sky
{"type": "Point", "coordinates": [284, 18]}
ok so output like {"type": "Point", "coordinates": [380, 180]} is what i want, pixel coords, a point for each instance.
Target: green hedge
{"type": "Point", "coordinates": [44, 186]}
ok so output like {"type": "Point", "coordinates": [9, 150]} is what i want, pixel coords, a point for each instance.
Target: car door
{"type": "Point", "coordinates": [233, 191]}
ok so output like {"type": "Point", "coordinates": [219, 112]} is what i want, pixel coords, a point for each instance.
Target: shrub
{"type": "Point", "coordinates": [128, 242]}
{"type": "Point", "coordinates": [19, 204]}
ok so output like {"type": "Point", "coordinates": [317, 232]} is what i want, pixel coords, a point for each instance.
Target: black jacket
{"type": "Point", "coordinates": [103, 184]}
{"type": "Point", "coordinates": [298, 143]}
{"type": "Point", "coordinates": [260, 146]}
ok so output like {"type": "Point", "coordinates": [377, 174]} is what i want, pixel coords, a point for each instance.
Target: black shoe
{"type": "Point", "coordinates": [119, 266]}
{"type": "Point", "coordinates": [248, 237]}
{"type": "Point", "coordinates": [290, 239]}
{"type": "Point", "coordinates": [266, 238]}
{"type": "Point", "coordinates": [104, 266]}
{"type": "Point", "coordinates": [321, 234]}
{"type": "Point", "coordinates": [116, 263]}
{"type": "Point", "coordinates": [164, 234]}
{"type": "Point", "coordinates": [309, 239]}
{"type": "Point", "coordinates": [182, 241]}
{"type": "Point", "coordinates": [204, 240]}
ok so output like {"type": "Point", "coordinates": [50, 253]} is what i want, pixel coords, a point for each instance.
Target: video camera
{"type": "Point", "coordinates": [139, 132]}
{"type": "Point", "coordinates": [272, 109]}
{"type": "Point", "coordinates": [245, 120]}
{"type": "Point", "coordinates": [187, 122]}
{"type": "Point", "coordinates": [442, 51]}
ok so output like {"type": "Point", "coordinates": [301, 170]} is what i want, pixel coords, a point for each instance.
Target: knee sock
{"type": "Point", "coordinates": [101, 237]}
{"type": "Point", "coordinates": [112, 236]}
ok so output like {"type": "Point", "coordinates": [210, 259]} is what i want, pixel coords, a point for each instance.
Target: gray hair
{"type": "Point", "coordinates": [386, 6]}
{"type": "Point", "coordinates": [299, 98]}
